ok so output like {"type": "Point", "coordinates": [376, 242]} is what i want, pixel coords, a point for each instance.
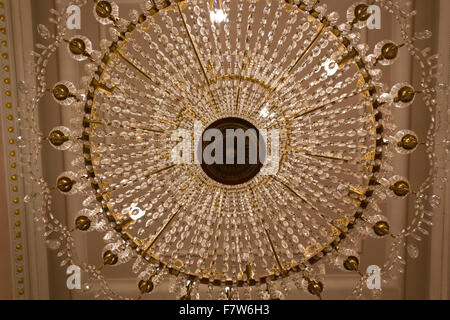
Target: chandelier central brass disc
{"type": "Point", "coordinates": [239, 136]}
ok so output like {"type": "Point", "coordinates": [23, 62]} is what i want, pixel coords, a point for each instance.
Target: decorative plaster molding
{"type": "Point", "coordinates": [439, 286]}
{"type": "Point", "coordinates": [29, 260]}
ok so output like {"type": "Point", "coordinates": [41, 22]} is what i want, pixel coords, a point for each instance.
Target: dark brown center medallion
{"type": "Point", "coordinates": [234, 173]}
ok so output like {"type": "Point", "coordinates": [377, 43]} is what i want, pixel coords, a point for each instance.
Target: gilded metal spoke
{"type": "Point", "coordinates": [142, 72]}
{"type": "Point", "coordinates": [160, 232]}
{"type": "Point", "coordinates": [194, 48]}
{"type": "Point", "coordinates": [123, 127]}
{"type": "Point", "coordinates": [161, 170]}
{"type": "Point", "coordinates": [308, 48]}
{"type": "Point", "coordinates": [326, 157]}
{"type": "Point", "coordinates": [238, 95]}
{"type": "Point", "coordinates": [338, 100]}
{"type": "Point", "coordinates": [295, 192]}
{"type": "Point", "coordinates": [219, 194]}
{"type": "Point", "coordinates": [277, 259]}
{"type": "Point", "coordinates": [327, 220]}
{"type": "Point", "coordinates": [311, 154]}
{"type": "Point", "coordinates": [314, 109]}
{"type": "Point", "coordinates": [196, 115]}
{"type": "Point", "coordinates": [281, 79]}
{"type": "Point", "coordinates": [269, 239]}
{"type": "Point", "coordinates": [131, 64]}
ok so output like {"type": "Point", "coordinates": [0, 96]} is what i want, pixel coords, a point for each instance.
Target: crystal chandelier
{"type": "Point", "coordinates": [285, 67]}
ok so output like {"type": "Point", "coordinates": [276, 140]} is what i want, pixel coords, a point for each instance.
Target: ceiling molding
{"type": "Point", "coordinates": [28, 252]}
{"type": "Point", "coordinates": [439, 286]}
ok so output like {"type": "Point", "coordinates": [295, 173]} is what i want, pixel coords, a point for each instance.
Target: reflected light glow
{"type": "Point", "coordinates": [218, 16]}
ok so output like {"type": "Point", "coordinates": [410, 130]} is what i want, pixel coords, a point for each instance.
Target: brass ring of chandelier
{"type": "Point", "coordinates": [174, 266]}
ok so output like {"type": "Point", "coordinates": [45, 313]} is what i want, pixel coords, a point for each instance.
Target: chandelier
{"type": "Point", "coordinates": [299, 77]}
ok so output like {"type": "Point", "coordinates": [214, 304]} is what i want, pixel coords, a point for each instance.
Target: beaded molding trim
{"type": "Point", "coordinates": [11, 136]}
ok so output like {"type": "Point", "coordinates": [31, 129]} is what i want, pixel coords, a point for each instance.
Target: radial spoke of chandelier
{"type": "Point", "coordinates": [282, 270]}
{"type": "Point", "coordinates": [304, 200]}
{"type": "Point", "coordinates": [160, 170]}
{"type": "Point", "coordinates": [294, 192]}
{"type": "Point", "coordinates": [301, 114]}
{"type": "Point", "coordinates": [194, 48]}
{"type": "Point", "coordinates": [310, 154]}
{"type": "Point", "coordinates": [194, 115]}
{"type": "Point", "coordinates": [189, 108]}
{"type": "Point", "coordinates": [325, 156]}
{"type": "Point", "coordinates": [217, 198]}
{"type": "Point", "coordinates": [309, 47]}
{"type": "Point", "coordinates": [112, 189]}
{"type": "Point", "coordinates": [291, 98]}
{"type": "Point", "coordinates": [282, 79]}
{"type": "Point", "coordinates": [161, 231]}
{"type": "Point", "coordinates": [122, 56]}
{"type": "Point", "coordinates": [269, 239]}
{"type": "Point", "coordinates": [238, 95]}
{"type": "Point", "coordinates": [123, 127]}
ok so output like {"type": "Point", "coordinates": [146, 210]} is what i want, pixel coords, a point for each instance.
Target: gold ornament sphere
{"type": "Point", "coordinates": [408, 142]}
{"type": "Point", "coordinates": [351, 263]}
{"type": "Point", "coordinates": [57, 138]}
{"type": "Point", "coordinates": [145, 286]}
{"type": "Point", "coordinates": [82, 223]}
{"type": "Point", "coordinates": [361, 13]}
{"type": "Point", "coordinates": [65, 184]}
{"type": "Point", "coordinates": [400, 188]}
{"type": "Point", "coordinates": [389, 51]}
{"type": "Point", "coordinates": [405, 95]}
{"type": "Point", "coordinates": [77, 46]}
{"type": "Point", "coordinates": [381, 228]}
{"type": "Point", "coordinates": [110, 258]}
{"type": "Point", "coordinates": [104, 9]}
{"type": "Point", "coordinates": [61, 92]}
{"type": "Point", "coordinates": [315, 287]}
